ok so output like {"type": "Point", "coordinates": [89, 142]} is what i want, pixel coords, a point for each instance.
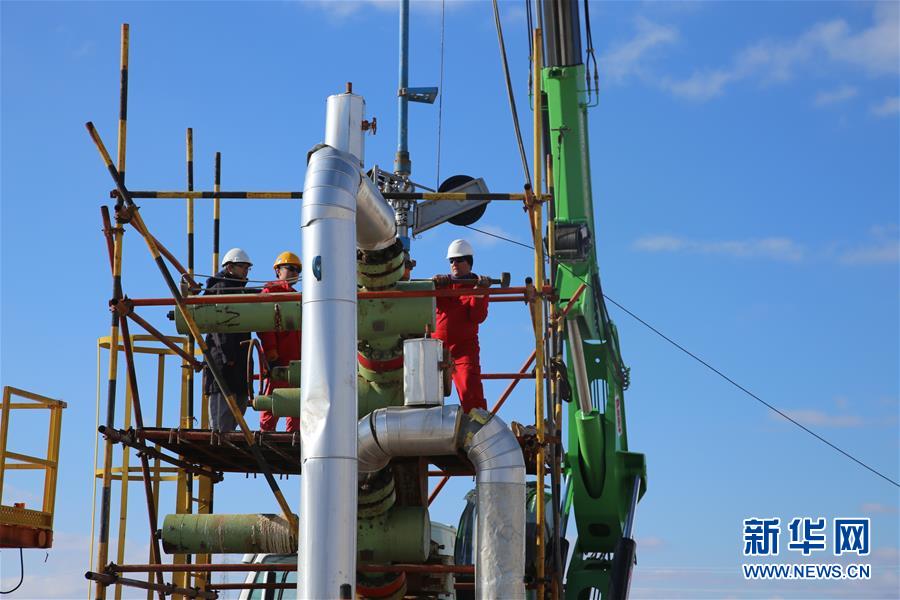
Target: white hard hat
{"type": "Point", "coordinates": [236, 255]}
{"type": "Point", "coordinates": [460, 248]}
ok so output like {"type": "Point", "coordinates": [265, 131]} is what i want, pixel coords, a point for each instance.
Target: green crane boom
{"type": "Point", "coordinates": [601, 470]}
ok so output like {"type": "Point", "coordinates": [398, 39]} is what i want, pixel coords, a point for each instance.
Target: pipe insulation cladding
{"type": "Point", "coordinates": [499, 479]}
{"type": "Point", "coordinates": [341, 209]}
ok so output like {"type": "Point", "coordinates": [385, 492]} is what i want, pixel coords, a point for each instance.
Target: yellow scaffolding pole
{"type": "Point", "coordinates": [537, 314]}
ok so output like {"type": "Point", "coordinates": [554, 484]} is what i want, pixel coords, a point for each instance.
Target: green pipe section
{"type": "Point", "coordinates": [403, 534]}
{"type": "Point", "coordinates": [227, 534]}
{"type": "Point", "coordinates": [290, 373]}
{"type": "Point", "coordinates": [590, 444]}
{"type": "Point", "coordinates": [282, 402]}
{"type": "Point", "coordinates": [377, 317]}
{"type": "Point", "coordinates": [285, 402]}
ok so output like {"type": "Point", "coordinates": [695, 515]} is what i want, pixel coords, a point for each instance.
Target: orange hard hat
{"type": "Point", "coordinates": [288, 258]}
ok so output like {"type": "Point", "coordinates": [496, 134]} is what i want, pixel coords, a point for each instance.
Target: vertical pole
{"type": "Point", "coordinates": [538, 316]}
{"type": "Point", "coordinates": [402, 165]}
{"type": "Point", "coordinates": [217, 181]}
{"type": "Point", "coordinates": [52, 455]}
{"type": "Point", "coordinates": [103, 545]}
{"type": "Point", "coordinates": [205, 492]}
{"type": "Point", "coordinates": [555, 398]}
{"type": "Point", "coordinates": [185, 481]}
{"type": "Point", "coordinates": [145, 463]}
{"type": "Point", "coordinates": [103, 536]}
{"type": "Point", "coordinates": [190, 269]}
{"type": "Point", "coordinates": [94, 470]}
{"type": "Point", "coordinates": [4, 432]}
{"type": "Point", "coordinates": [190, 201]}
{"type": "Point", "coordinates": [182, 495]}
{"type": "Point", "coordinates": [204, 507]}
{"type": "Point", "coordinates": [328, 493]}
{"type": "Point", "coordinates": [160, 379]}
{"type": "Point", "coordinates": [123, 495]}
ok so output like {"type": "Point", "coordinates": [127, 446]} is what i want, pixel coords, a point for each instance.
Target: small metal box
{"type": "Point", "coordinates": [422, 378]}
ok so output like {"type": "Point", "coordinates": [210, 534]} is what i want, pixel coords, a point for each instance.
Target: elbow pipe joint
{"type": "Point", "coordinates": [401, 431]}
{"type": "Point", "coordinates": [332, 168]}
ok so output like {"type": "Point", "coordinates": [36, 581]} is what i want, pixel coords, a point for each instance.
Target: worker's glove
{"type": "Point", "coordinates": [441, 281]}
{"type": "Point", "coordinates": [483, 281]}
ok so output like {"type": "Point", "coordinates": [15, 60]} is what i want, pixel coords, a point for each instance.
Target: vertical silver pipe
{"type": "Point", "coordinates": [576, 345]}
{"type": "Point", "coordinates": [343, 124]}
{"type": "Point", "coordinates": [328, 488]}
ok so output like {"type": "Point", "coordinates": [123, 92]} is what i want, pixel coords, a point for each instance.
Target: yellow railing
{"type": "Point", "coordinates": [27, 527]}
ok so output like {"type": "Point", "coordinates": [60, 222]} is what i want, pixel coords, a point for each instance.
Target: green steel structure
{"type": "Point", "coordinates": [600, 468]}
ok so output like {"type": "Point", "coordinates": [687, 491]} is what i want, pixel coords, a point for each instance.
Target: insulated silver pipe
{"type": "Point", "coordinates": [376, 228]}
{"type": "Point", "coordinates": [500, 484]}
{"type": "Point", "coordinates": [576, 346]}
{"type": "Point", "coordinates": [499, 476]}
{"type": "Point", "coordinates": [343, 124]}
{"type": "Point", "coordinates": [341, 208]}
{"type": "Point", "coordinates": [328, 486]}
{"type": "Point", "coordinates": [400, 431]}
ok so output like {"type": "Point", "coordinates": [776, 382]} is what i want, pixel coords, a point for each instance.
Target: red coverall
{"type": "Point", "coordinates": [457, 327]}
{"type": "Point", "coordinates": [286, 346]}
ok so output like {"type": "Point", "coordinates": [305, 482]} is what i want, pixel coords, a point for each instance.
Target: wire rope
{"type": "Point", "coordinates": [509, 94]}
{"type": "Point", "coordinates": [714, 369]}
{"type": "Point", "coordinates": [437, 183]}
{"type": "Point", "coordinates": [21, 575]}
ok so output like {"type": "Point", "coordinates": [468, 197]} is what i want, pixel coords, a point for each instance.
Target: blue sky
{"type": "Point", "coordinates": [745, 169]}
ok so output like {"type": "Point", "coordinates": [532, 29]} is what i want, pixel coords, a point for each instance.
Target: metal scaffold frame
{"type": "Point", "coordinates": [26, 527]}
{"type": "Point", "coordinates": [547, 324]}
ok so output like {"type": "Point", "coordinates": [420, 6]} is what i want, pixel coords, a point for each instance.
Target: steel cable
{"type": "Point", "coordinates": [21, 575]}
{"type": "Point", "coordinates": [509, 93]}
{"type": "Point", "coordinates": [714, 369]}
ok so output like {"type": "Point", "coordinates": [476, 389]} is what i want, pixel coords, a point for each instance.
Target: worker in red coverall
{"type": "Point", "coordinates": [457, 323]}
{"type": "Point", "coordinates": [280, 347]}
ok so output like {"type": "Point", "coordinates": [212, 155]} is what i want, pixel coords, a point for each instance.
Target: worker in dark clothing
{"type": "Point", "coordinates": [457, 323]}
{"type": "Point", "coordinates": [280, 347]}
{"type": "Point", "coordinates": [226, 349]}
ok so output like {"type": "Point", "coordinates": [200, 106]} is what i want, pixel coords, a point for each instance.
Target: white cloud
{"type": "Point", "coordinates": [340, 9]}
{"type": "Point", "coordinates": [883, 252]}
{"type": "Point", "coordinates": [650, 542]}
{"type": "Point", "coordinates": [783, 249]}
{"type": "Point", "coordinates": [627, 58]}
{"type": "Point", "coordinates": [883, 248]}
{"type": "Point", "coordinates": [701, 85]}
{"type": "Point", "coordinates": [878, 508]}
{"type": "Point", "coordinates": [818, 418]}
{"type": "Point", "coordinates": [874, 51]}
{"type": "Point", "coordinates": [888, 107]}
{"type": "Point", "coordinates": [836, 96]}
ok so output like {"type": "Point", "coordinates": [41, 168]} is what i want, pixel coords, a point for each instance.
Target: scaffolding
{"type": "Point", "coordinates": [22, 527]}
{"type": "Point", "coordinates": [195, 458]}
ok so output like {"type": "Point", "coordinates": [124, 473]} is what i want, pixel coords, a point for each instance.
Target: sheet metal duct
{"type": "Point", "coordinates": [499, 479]}
{"type": "Point", "coordinates": [423, 379]}
{"type": "Point", "coordinates": [343, 124]}
{"type": "Point", "coordinates": [333, 187]}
